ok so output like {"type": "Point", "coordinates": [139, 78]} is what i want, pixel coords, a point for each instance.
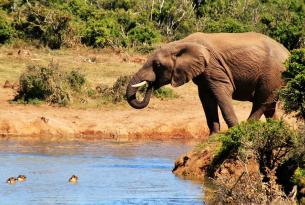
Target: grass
{"type": "Point", "coordinates": [106, 68]}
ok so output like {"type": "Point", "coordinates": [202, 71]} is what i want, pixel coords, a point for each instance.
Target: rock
{"type": "Point", "coordinates": [192, 165]}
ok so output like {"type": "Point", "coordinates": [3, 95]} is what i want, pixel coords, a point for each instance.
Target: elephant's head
{"type": "Point", "coordinates": [176, 63]}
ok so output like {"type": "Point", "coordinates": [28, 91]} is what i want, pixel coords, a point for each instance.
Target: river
{"type": "Point", "coordinates": [110, 173]}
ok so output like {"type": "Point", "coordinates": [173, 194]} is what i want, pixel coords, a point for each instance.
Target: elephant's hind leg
{"type": "Point", "coordinates": [265, 98]}
{"type": "Point", "coordinates": [271, 111]}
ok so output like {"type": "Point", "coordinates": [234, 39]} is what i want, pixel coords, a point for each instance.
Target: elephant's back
{"type": "Point", "coordinates": [224, 42]}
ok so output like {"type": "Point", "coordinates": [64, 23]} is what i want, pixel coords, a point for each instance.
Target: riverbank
{"type": "Point", "coordinates": [181, 118]}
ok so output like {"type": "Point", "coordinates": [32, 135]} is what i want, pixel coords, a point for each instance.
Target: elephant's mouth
{"type": "Point", "coordinates": [133, 87]}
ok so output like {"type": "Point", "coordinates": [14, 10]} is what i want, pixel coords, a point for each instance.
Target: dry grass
{"type": "Point", "coordinates": [99, 66]}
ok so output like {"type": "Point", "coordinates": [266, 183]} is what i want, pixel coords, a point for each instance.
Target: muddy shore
{"type": "Point", "coordinates": [181, 118]}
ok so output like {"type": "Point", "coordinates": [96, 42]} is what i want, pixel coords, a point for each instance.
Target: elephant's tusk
{"type": "Point", "coordinates": [139, 84]}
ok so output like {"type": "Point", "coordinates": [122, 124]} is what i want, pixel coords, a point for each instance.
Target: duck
{"type": "Point", "coordinates": [21, 178]}
{"type": "Point", "coordinates": [73, 179]}
{"type": "Point", "coordinates": [11, 180]}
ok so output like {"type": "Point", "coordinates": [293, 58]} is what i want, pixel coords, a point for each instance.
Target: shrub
{"type": "Point", "coordinates": [47, 25]}
{"type": "Point", "coordinates": [271, 142]}
{"type": "Point", "coordinates": [76, 80]}
{"type": "Point", "coordinates": [48, 84]}
{"type": "Point", "coordinates": [165, 93]}
{"type": "Point", "coordinates": [289, 31]}
{"type": "Point", "coordinates": [293, 95]}
{"type": "Point", "coordinates": [143, 35]}
{"type": "Point", "coordinates": [284, 21]}
{"type": "Point", "coordinates": [228, 25]}
{"type": "Point", "coordinates": [103, 33]}
{"type": "Point", "coordinates": [6, 30]}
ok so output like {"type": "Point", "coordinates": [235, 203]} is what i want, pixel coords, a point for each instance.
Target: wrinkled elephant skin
{"type": "Point", "coordinates": [224, 66]}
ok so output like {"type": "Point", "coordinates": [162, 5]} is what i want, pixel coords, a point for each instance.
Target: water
{"type": "Point", "coordinates": [109, 173]}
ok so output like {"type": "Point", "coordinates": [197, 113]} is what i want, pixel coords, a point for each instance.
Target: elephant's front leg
{"type": "Point", "coordinates": [209, 104]}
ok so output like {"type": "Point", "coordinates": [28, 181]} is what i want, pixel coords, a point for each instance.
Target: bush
{"type": "Point", "coordinates": [47, 25]}
{"type": "Point", "coordinates": [256, 160]}
{"type": "Point", "coordinates": [165, 93]}
{"type": "Point", "coordinates": [76, 80]}
{"type": "Point", "coordinates": [271, 142]}
{"type": "Point", "coordinates": [6, 30]}
{"type": "Point", "coordinates": [48, 84]}
{"type": "Point", "coordinates": [146, 35]}
{"type": "Point", "coordinates": [293, 95]}
{"type": "Point", "coordinates": [228, 25]}
{"type": "Point", "coordinates": [103, 33]}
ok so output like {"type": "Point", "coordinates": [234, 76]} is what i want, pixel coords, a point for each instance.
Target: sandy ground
{"type": "Point", "coordinates": [178, 118]}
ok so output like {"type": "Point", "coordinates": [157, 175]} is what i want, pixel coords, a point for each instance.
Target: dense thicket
{"type": "Point", "coordinates": [293, 95]}
{"type": "Point", "coordinates": [127, 23]}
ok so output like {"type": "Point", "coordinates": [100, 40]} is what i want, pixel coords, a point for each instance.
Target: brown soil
{"type": "Point", "coordinates": [181, 118]}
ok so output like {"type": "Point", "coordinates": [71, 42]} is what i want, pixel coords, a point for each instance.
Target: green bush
{"type": "Point", "coordinates": [289, 31]}
{"type": "Point", "coordinates": [293, 95]}
{"type": "Point", "coordinates": [76, 80]}
{"type": "Point", "coordinates": [103, 33]}
{"type": "Point", "coordinates": [143, 35]}
{"type": "Point", "coordinates": [165, 93]}
{"type": "Point", "coordinates": [278, 151]}
{"type": "Point", "coordinates": [48, 83]}
{"type": "Point", "coordinates": [6, 30]}
{"type": "Point", "coordinates": [48, 26]}
{"type": "Point", "coordinates": [271, 142]}
{"type": "Point", "coordinates": [227, 25]}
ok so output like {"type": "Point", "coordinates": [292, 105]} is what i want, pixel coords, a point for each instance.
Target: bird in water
{"type": "Point", "coordinates": [21, 178]}
{"type": "Point", "coordinates": [73, 179]}
{"type": "Point", "coordinates": [11, 180]}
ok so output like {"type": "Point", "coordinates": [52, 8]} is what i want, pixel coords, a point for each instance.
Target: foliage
{"type": "Point", "coordinates": [293, 95]}
{"type": "Point", "coordinates": [299, 177]}
{"type": "Point", "coordinates": [270, 142]}
{"type": "Point", "coordinates": [273, 146]}
{"type": "Point", "coordinates": [165, 93]}
{"type": "Point", "coordinates": [76, 80]}
{"type": "Point", "coordinates": [143, 35]}
{"type": "Point", "coordinates": [129, 23]}
{"type": "Point", "coordinates": [6, 30]}
{"type": "Point", "coordinates": [48, 84]}
{"type": "Point", "coordinates": [228, 25]}
{"type": "Point", "coordinates": [48, 26]}
{"type": "Point", "coordinates": [103, 33]}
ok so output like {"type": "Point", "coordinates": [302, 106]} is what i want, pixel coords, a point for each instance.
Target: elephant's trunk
{"type": "Point", "coordinates": [132, 91]}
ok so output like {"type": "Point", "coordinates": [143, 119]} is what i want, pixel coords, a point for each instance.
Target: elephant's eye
{"type": "Point", "coordinates": [157, 64]}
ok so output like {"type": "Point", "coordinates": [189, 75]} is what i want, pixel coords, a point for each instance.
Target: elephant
{"type": "Point", "coordinates": [224, 66]}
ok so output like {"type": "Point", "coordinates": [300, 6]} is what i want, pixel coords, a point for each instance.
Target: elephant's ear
{"type": "Point", "coordinates": [190, 60]}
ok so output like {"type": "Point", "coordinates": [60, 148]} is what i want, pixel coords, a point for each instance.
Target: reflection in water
{"type": "Point", "coordinates": [109, 173]}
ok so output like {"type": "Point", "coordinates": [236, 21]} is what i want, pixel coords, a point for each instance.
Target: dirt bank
{"type": "Point", "coordinates": [178, 118]}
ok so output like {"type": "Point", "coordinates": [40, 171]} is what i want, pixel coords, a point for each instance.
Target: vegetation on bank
{"type": "Point", "coordinates": [256, 162]}
{"type": "Point", "coordinates": [129, 23]}
{"type": "Point", "coordinates": [293, 95]}
{"type": "Point", "coordinates": [54, 85]}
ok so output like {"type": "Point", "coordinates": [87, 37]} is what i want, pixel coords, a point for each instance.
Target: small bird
{"type": "Point", "coordinates": [73, 179]}
{"type": "Point", "coordinates": [21, 178]}
{"type": "Point", "coordinates": [11, 180]}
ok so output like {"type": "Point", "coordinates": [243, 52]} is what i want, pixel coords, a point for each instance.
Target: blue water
{"type": "Point", "coordinates": [109, 173]}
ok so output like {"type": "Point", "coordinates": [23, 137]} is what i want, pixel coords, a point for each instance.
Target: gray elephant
{"type": "Point", "coordinates": [224, 66]}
